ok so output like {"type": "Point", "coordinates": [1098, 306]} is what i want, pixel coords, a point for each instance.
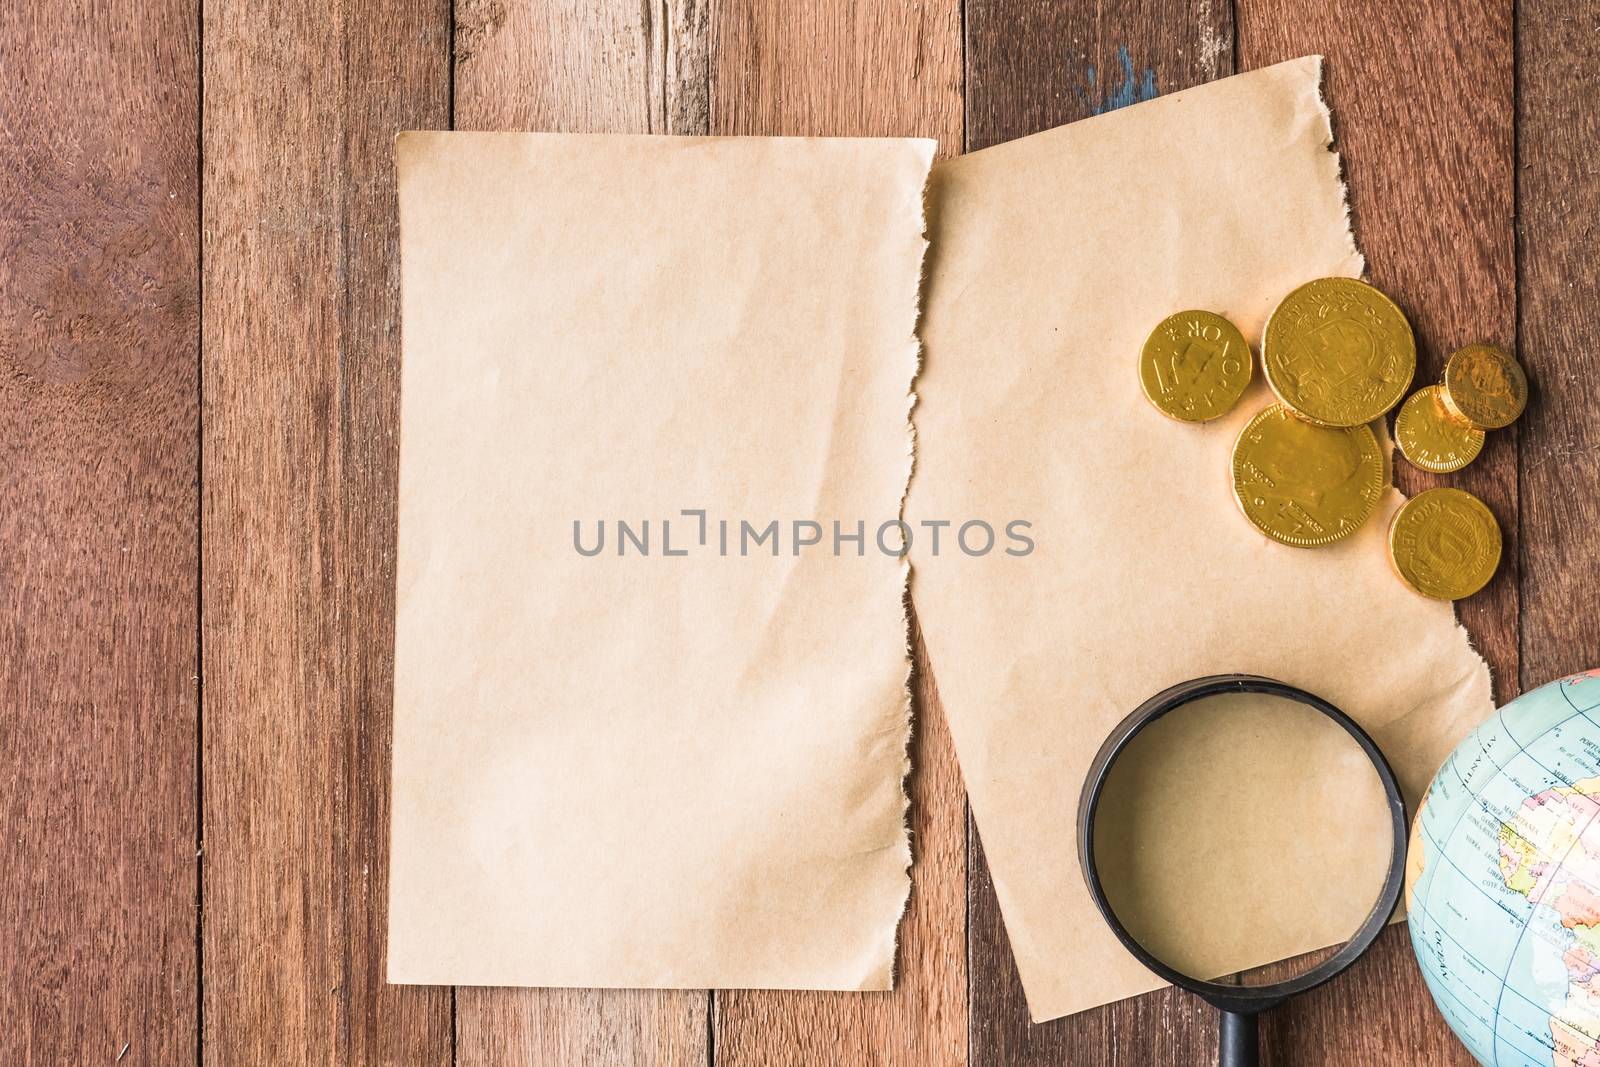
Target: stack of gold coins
{"type": "Point", "coordinates": [1431, 437]}
{"type": "Point", "coordinates": [1484, 387]}
{"type": "Point", "coordinates": [1441, 428]}
{"type": "Point", "coordinates": [1309, 470]}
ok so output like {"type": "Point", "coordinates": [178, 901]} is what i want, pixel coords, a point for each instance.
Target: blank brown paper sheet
{"type": "Point", "coordinates": [633, 769]}
{"type": "Point", "coordinates": [1052, 258]}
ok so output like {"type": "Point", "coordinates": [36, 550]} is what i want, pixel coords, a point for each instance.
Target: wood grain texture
{"type": "Point", "coordinates": [1422, 99]}
{"type": "Point", "coordinates": [1030, 67]}
{"type": "Point", "coordinates": [840, 69]}
{"type": "Point", "coordinates": [582, 1027]}
{"type": "Point", "coordinates": [1376, 1013]}
{"type": "Point", "coordinates": [99, 313]}
{"type": "Point", "coordinates": [300, 363]}
{"type": "Point", "coordinates": [1558, 203]}
{"type": "Point", "coordinates": [845, 69]}
{"type": "Point", "coordinates": [582, 67]}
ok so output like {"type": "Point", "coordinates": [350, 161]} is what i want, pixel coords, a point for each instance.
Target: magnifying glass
{"type": "Point", "coordinates": [1166, 841]}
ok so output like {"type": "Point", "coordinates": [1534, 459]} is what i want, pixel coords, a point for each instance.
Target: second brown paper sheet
{"type": "Point", "coordinates": [643, 735]}
{"type": "Point", "coordinates": [1052, 258]}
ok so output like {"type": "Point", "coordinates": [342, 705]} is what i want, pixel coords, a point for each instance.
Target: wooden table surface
{"type": "Point", "coordinates": [198, 382]}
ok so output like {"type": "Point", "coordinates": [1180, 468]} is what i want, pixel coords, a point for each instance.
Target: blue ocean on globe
{"type": "Point", "coordinates": [1503, 881]}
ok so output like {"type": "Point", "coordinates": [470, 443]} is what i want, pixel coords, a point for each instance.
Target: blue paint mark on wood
{"type": "Point", "coordinates": [1132, 90]}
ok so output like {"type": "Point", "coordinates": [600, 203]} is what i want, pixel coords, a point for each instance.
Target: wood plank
{"type": "Point", "coordinates": [582, 67]}
{"type": "Point", "coordinates": [1349, 1022]}
{"type": "Point", "coordinates": [1422, 101]}
{"type": "Point", "coordinates": [1030, 67]}
{"type": "Point", "coordinates": [397, 64]}
{"type": "Point", "coordinates": [838, 68]}
{"type": "Point", "coordinates": [99, 319]}
{"type": "Point", "coordinates": [1033, 66]}
{"type": "Point", "coordinates": [1558, 43]}
{"type": "Point", "coordinates": [578, 66]}
{"type": "Point", "coordinates": [300, 388]}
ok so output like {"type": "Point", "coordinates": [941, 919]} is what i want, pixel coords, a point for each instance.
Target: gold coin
{"type": "Point", "coordinates": [1444, 543]}
{"type": "Point", "coordinates": [1306, 485]}
{"type": "Point", "coordinates": [1195, 365]}
{"type": "Point", "coordinates": [1485, 387]}
{"type": "Point", "coordinates": [1338, 352]}
{"type": "Point", "coordinates": [1430, 437]}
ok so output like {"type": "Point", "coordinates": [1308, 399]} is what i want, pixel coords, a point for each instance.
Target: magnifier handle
{"type": "Point", "coordinates": [1240, 1042]}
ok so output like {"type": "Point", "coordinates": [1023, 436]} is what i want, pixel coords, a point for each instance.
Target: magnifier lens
{"type": "Point", "coordinates": [1241, 827]}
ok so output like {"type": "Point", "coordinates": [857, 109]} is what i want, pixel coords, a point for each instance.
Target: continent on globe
{"type": "Point", "coordinates": [1503, 881]}
{"type": "Point", "coordinates": [1560, 872]}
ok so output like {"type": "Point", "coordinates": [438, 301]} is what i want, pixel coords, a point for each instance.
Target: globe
{"type": "Point", "coordinates": [1503, 881]}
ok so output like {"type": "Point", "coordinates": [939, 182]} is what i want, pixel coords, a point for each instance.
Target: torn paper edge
{"type": "Point", "coordinates": [907, 851]}
{"type": "Point", "coordinates": [1385, 438]}
{"type": "Point", "coordinates": [1336, 161]}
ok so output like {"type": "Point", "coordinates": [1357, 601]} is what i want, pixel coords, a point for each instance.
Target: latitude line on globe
{"type": "Point", "coordinates": [1568, 698]}
{"type": "Point", "coordinates": [1523, 932]}
{"type": "Point", "coordinates": [1468, 879]}
{"type": "Point", "coordinates": [1499, 769]}
{"type": "Point", "coordinates": [1521, 751]}
{"type": "Point", "coordinates": [1494, 1034]}
{"type": "Point", "coordinates": [1529, 1001]}
{"type": "Point", "coordinates": [1490, 1022]}
{"type": "Point", "coordinates": [1477, 796]}
{"type": "Point", "coordinates": [1499, 772]}
{"type": "Point", "coordinates": [1427, 913]}
{"type": "Point", "coordinates": [1488, 971]}
{"type": "Point", "coordinates": [1482, 1021]}
{"type": "Point", "coordinates": [1562, 780]}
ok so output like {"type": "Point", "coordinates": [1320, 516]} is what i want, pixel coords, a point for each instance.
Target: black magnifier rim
{"type": "Point", "coordinates": [1240, 999]}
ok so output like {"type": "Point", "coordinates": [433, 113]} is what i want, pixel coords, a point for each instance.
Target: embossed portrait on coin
{"type": "Point", "coordinates": [1307, 470]}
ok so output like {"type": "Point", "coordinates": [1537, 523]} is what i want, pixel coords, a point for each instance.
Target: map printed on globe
{"type": "Point", "coordinates": [1503, 881]}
